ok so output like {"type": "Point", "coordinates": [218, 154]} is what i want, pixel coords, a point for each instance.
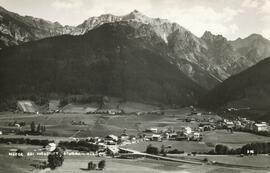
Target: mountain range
{"type": "Point", "coordinates": [207, 60]}
{"type": "Point", "coordinates": [200, 63]}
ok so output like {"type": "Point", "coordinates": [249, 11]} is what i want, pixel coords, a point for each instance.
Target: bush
{"type": "Point", "coordinates": [152, 150]}
{"type": "Point", "coordinates": [221, 149]}
{"type": "Point", "coordinates": [175, 151]}
{"type": "Point", "coordinates": [205, 160]}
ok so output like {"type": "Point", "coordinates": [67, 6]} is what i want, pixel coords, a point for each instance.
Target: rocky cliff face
{"type": "Point", "coordinates": [16, 29]}
{"type": "Point", "coordinates": [223, 59]}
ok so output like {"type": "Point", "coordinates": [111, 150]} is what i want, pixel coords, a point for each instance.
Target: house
{"type": "Point", "coordinates": [171, 136]}
{"type": "Point", "coordinates": [260, 127]}
{"type": "Point", "coordinates": [114, 111]}
{"type": "Point", "coordinates": [50, 147]}
{"type": "Point", "coordinates": [156, 137]}
{"type": "Point", "coordinates": [147, 136]}
{"type": "Point", "coordinates": [196, 136]}
{"type": "Point", "coordinates": [112, 150]}
{"type": "Point", "coordinates": [205, 126]}
{"type": "Point", "coordinates": [187, 130]}
{"type": "Point", "coordinates": [124, 137]}
{"type": "Point", "coordinates": [229, 124]}
{"type": "Point", "coordinates": [111, 138]}
{"type": "Point", "coordinates": [133, 139]}
{"type": "Point", "coordinates": [153, 129]}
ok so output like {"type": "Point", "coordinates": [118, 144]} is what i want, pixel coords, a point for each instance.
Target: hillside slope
{"type": "Point", "coordinates": [114, 59]}
{"type": "Point", "coordinates": [250, 88]}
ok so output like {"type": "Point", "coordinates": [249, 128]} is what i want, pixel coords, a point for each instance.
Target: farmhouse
{"type": "Point", "coordinates": [156, 137]}
{"type": "Point", "coordinates": [260, 127]}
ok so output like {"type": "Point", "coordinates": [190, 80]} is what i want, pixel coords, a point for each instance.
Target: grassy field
{"type": "Point", "coordinates": [187, 146]}
{"type": "Point", "coordinates": [11, 164]}
{"type": "Point", "coordinates": [79, 164]}
{"type": "Point", "coordinates": [120, 166]}
{"type": "Point", "coordinates": [237, 139]}
{"type": "Point", "coordinates": [146, 166]}
{"type": "Point", "coordinates": [256, 161]}
{"type": "Point", "coordinates": [96, 125]}
{"type": "Point", "coordinates": [59, 126]}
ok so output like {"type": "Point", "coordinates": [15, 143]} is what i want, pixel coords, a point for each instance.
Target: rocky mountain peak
{"type": "Point", "coordinates": [208, 36]}
{"type": "Point", "coordinates": [137, 16]}
{"type": "Point", "coordinates": [255, 36]}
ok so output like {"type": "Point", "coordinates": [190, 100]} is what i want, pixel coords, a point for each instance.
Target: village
{"type": "Point", "coordinates": [189, 135]}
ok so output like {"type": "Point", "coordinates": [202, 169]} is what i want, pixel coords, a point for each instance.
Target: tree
{"type": "Point", "coordinates": [38, 128]}
{"type": "Point", "coordinates": [162, 150]}
{"type": "Point", "coordinates": [33, 126]}
{"type": "Point", "coordinates": [101, 164]}
{"type": "Point", "coordinates": [56, 158]}
{"type": "Point", "coordinates": [221, 149]}
{"type": "Point", "coordinates": [91, 166]}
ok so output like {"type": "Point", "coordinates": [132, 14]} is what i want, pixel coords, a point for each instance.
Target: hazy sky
{"type": "Point", "coordinates": [231, 18]}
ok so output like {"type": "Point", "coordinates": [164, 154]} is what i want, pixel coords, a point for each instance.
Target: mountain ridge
{"type": "Point", "coordinates": [207, 60]}
{"type": "Point", "coordinates": [248, 89]}
{"type": "Point", "coordinates": [104, 61]}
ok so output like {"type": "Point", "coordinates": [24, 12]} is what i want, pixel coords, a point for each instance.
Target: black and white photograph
{"type": "Point", "coordinates": [135, 86]}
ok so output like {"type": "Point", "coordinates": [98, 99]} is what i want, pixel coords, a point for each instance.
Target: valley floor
{"type": "Point", "coordinates": [59, 127]}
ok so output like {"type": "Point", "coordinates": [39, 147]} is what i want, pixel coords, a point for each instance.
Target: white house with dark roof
{"type": "Point", "coordinates": [261, 127]}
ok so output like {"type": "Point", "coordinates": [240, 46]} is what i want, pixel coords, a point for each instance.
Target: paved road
{"type": "Point", "coordinates": [137, 153]}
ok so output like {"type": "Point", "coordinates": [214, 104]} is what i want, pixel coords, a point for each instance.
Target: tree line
{"type": "Point", "coordinates": [256, 148]}
{"type": "Point", "coordinates": [42, 142]}
{"type": "Point", "coordinates": [81, 145]}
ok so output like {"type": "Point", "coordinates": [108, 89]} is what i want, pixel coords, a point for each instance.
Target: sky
{"type": "Point", "coordinates": [230, 18]}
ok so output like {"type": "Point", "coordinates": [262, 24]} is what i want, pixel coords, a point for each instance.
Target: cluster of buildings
{"type": "Point", "coordinates": [247, 125]}
{"type": "Point", "coordinates": [185, 133]}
